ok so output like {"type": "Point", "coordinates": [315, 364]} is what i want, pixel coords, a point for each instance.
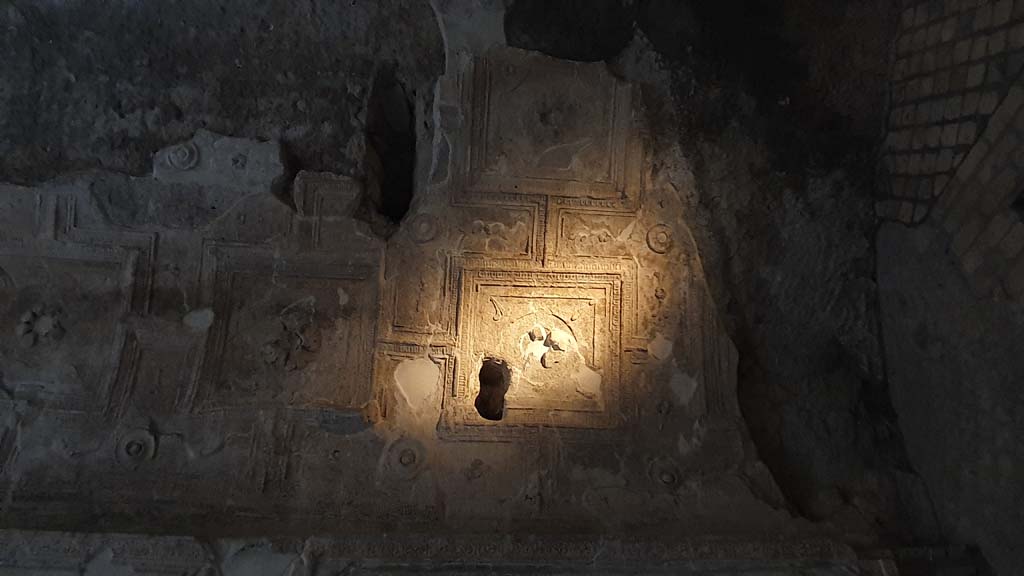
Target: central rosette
{"type": "Point", "coordinates": [552, 362]}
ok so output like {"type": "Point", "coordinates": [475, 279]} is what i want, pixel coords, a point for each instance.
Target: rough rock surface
{"type": "Point", "coordinates": [105, 85]}
{"type": "Point", "coordinates": [784, 220]}
{"type": "Point", "coordinates": [768, 189]}
{"type": "Point", "coordinates": [36, 553]}
{"type": "Point", "coordinates": [955, 364]}
{"type": "Point", "coordinates": [585, 30]}
{"type": "Point", "coordinates": [534, 348]}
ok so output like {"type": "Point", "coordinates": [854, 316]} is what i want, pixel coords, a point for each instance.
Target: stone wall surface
{"type": "Point", "coordinates": [307, 75]}
{"type": "Point", "coordinates": [106, 84]}
{"type": "Point", "coordinates": [157, 320]}
{"type": "Point", "coordinates": [955, 365]}
{"type": "Point", "coordinates": [222, 346]}
{"type": "Point", "coordinates": [952, 283]}
{"type": "Point", "coordinates": [981, 211]}
{"type": "Point", "coordinates": [25, 553]}
{"type": "Point", "coordinates": [608, 272]}
{"type": "Point", "coordinates": [783, 159]}
{"type": "Point", "coordinates": [46, 554]}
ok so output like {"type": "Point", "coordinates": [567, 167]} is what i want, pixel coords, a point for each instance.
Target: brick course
{"type": "Point", "coordinates": [954, 64]}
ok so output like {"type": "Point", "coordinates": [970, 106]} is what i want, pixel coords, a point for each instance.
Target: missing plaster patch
{"type": "Point", "coordinates": [588, 383]}
{"type": "Point", "coordinates": [660, 348]}
{"type": "Point", "coordinates": [533, 344]}
{"type": "Point", "coordinates": [416, 380]}
{"type": "Point", "coordinates": [103, 564]}
{"type": "Point", "coordinates": [683, 386]}
{"type": "Point", "coordinates": [199, 320]}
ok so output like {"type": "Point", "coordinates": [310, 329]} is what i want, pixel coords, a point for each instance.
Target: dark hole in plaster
{"type": "Point", "coordinates": [583, 30]}
{"type": "Point", "coordinates": [494, 380]}
{"type": "Point", "coordinates": [391, 154]}
{"type": "Point", "coordinates": [1018, 204]}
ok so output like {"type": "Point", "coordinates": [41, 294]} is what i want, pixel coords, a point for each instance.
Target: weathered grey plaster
{"type": "Point", "coordinates": [955, 368]}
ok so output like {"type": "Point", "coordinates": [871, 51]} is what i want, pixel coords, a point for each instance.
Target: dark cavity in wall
{"type": "Point", "coordinates": [584, 30]}
{"type": "Point", "coordinates": [746, 40]}
{"type": "Point", "coordinates": [391, 150]}
{"type": "Point", "coordinates": [1018, 204]}
{"type": "Point", "coordinates": [494, 380]}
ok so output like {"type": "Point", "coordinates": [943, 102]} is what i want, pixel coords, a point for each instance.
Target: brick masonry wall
{"type": "Point", "coordinates": [954, 63]}
{"type": "Point", "coordinates": [978, 207]}
{"type": "Point", "coordinates": [956, 129]}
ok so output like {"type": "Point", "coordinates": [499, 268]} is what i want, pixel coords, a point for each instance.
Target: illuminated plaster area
{"type": "Point", "coordinates": [580, 373]}
{"type": "Point", "coordinates": [533, 349]}
{"type": "Point", "coordinates": [328, 287]}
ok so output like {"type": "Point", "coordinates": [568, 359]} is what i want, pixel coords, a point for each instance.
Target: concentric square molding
{"type": "Point", "coordinates": [523, 317]}
{"type": "Point", "coordinates": [542, 126]}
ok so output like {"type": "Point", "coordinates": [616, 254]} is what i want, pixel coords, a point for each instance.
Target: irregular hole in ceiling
{"type": "Point", "coordinates": [1018, 204]}
{"type": "Point", "coordinates": [494, 381]}
{"type": "Point", "coordinates": [584, 30]}
{"type": "Point", "coordinates": [391, 148]}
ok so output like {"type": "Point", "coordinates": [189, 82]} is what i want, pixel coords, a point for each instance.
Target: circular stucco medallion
{"type": "Point", "coordinates": [135, 447]}
{"type": "Point", "coordinates": [663, 472]}
{"type": "Point", "coordinates": [424, 228]}
{"type": "Point", "coordinates": [408, 458]}
{"type": "Point", "coordinates": [404, 459]}
{"type": "Point", "coordinates": [659, 238]}
{"type": "Point", "coordinates": [183, 156]}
